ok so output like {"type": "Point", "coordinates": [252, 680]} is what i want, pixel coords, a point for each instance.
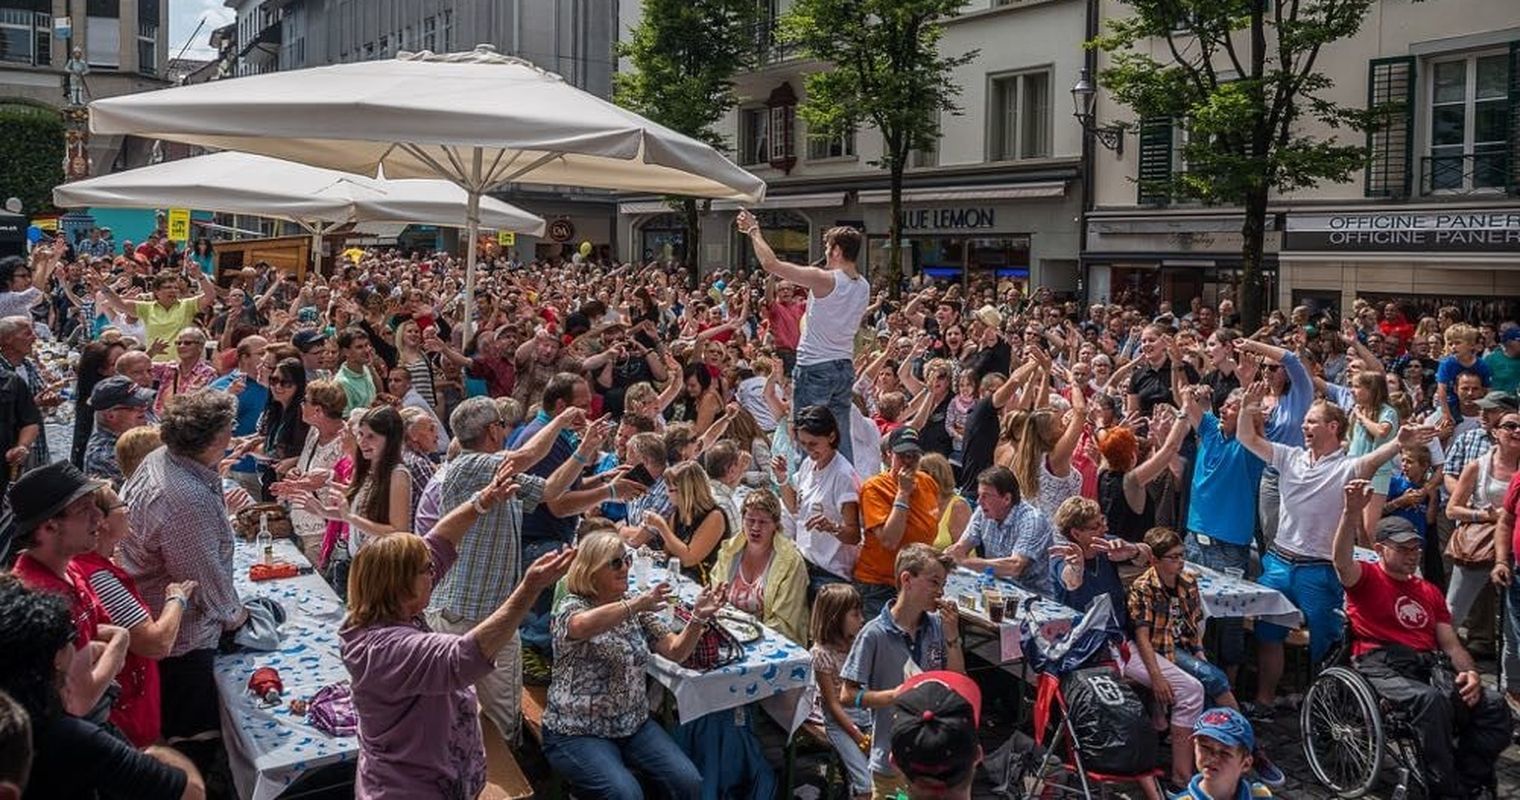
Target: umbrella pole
{"type": "Point", "coordinates": [472, 230]}
{"type": "Point", "coordinates": [316, 251]}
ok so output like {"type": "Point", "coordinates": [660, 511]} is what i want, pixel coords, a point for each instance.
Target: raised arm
{"type": "Point", "coordinates": [1140, 477]}
{"type": "Point", "coordinates": [1246, 429]}
{"type": "Point", "coordinates": [1066, 446]}
{"type": "Point", "coordinates": [1348, 532]}
{"type": "Point", "coordinates": [1409, 436]}
{"type": "Point", "coordinates": [820, 282]}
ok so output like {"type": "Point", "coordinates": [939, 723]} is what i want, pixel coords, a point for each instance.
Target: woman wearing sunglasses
{"type": "Point", "coordinates": [281, 426]}
{"type": "Point", "coordinates": [1477, 499]}
{"type": "Point", "coordinates": [597, 728]}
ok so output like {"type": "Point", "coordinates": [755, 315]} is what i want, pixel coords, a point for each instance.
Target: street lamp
{"type": "Point", "coordinates": [1084, 97]}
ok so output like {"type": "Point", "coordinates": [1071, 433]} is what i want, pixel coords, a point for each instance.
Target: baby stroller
{"type": "Point", "coordinates": [1086, 716]}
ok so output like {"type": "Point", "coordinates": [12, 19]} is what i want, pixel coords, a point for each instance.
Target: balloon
{"type": "Point", "coordinates": [33, 234]}
{"type": "Point", "coordinates": [585, 248]}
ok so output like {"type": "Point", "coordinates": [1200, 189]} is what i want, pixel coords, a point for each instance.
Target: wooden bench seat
{"type": "Point", "coordinates": [504, 778]}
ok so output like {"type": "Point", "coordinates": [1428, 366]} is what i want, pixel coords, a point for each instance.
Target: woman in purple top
{"type": "Point", "coordinates": [419, 730]}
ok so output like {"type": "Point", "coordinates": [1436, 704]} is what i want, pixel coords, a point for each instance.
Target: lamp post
{"type": "Point", "coordinates": [1084, 97]}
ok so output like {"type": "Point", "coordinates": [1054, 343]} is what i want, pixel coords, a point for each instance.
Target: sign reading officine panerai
{"type": "Point", "coordinates": [1456, 231]}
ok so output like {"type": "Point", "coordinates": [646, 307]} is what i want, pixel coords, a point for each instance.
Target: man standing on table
{"type": "Point", "coordinates": [180, 532]}
{"type": "Point", "coordinates": [1403, 642]}
{"type": "Point", "coordinates": [837, 298]}
{"type": "Point", "coordinates": [1310, 506]}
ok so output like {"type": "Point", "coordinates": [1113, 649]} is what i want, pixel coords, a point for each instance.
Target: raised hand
{"type": "Point", "coordinates": [709, 601]}
{"type": "Point", "coordinates": [1069, 552]}
{"type": "Point", "coordinates": [548, 568]}
{"type": "Point", "coordinates": [1357, 493]}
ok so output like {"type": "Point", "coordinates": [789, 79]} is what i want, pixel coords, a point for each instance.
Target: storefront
{"type": "Point", "coordinates": [1467, 257]}
{"type": "Point", "coordinates": [1146, 258]}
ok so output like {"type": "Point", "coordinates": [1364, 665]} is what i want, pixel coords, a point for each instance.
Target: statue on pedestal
{"type": "Point", "coordinates": [76, 68]}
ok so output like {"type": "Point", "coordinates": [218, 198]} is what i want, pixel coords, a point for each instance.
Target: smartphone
{"type": "Point", "coordinates": [639, 475]}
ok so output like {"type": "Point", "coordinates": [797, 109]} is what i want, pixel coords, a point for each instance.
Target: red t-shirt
{"type": "Point", "coordinates": [1386, 611]}
{"type": "Point", "coordinates": [786, 323]}
{"type": "Point", "coordinates": [38, 577]}
{"type": "Point", "coordinates": [1511, 500]}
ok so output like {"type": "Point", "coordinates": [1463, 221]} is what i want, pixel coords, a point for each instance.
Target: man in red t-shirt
{"type": "Point", "coordinates": [1406, 647]}
{"type": "Point", "coordinates": [784, 310]}
{"type": "Point", "coordinates": [56, 518]}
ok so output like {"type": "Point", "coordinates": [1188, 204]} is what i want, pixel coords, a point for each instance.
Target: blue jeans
{"type": "Point", "coordinates": [600, 768]}
{"type": "Point", "coordinates": [535, 626]}
{"type": "Point", "coordinates": [828, 385]}
{"type": "Point", "coordinates": [1215, 683]}
{"type": "Point", "coordinates": [1316, 590]}
{"type": "Point", "coordinates": [1222, 556]}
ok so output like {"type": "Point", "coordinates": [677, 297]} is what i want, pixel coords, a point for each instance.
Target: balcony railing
{"type": "Point", "coordinates": [1465, 173]}
{"type": "Point", "coordinates": [769, 49]}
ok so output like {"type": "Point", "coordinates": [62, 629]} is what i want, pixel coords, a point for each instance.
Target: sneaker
{"type": "Point", "coordinates": [1259, 713]}
{"type": "Point", "coordinates": [1266, 771]}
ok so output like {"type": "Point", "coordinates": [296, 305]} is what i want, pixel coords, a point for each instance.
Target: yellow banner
{"type": "Point", "coordinates": [179, 224]}
{"type": "Point", "coordinates": [506, 238]}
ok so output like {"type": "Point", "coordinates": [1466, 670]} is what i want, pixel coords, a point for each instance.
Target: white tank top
{"type": "Point", "coordinates": [830, 323]}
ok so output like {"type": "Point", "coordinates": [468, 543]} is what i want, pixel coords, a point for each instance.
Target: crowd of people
{"type": "Point", "coordinates": [814, 450]}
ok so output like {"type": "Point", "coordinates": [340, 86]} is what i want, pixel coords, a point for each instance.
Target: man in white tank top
{"type": "Point", "coordinates": [837, 299]}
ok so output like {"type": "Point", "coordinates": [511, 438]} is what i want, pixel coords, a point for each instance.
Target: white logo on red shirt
{"type": "Point", "coordinates": [1410, 613]}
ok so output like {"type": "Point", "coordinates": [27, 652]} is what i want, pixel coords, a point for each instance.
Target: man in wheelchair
{"type": "Point", "coordinates": [1403, 643]}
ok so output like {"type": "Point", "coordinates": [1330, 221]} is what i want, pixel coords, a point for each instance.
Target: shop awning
{"type": "Point", "coordinates": [777, 202]}
{"type": "Point", "coordinates": [943, 194]}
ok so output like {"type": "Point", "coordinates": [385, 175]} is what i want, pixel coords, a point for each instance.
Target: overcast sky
{"type": "Point", "coordinates": [185, 15]}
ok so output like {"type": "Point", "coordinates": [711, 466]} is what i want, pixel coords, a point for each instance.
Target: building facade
{"type": "Point", "coordinates": [1433, 220]}
{"type": "Point", "coordinates": [1001, 194]}
{"type": "Point", "coordinates": [124, 42]}
{"type": "Point", "coordinates": [572, 38]}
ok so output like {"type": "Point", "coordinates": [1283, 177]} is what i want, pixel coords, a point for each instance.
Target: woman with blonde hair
{"type": "Point", "coordinates": [765, 573]}
{"type": "Point", "coordinates": [597, 729]}
{"type": "Point", "coordinates": [954, 511]}
{"type": "Point", "coordinates": [419, 727]}
{"type": "Point", "coordinates": [134, 446]}
{"type": "Point", "coordinates": [1038, 447]}
{"type": "Point", "coordinates": [1374, 422]}
{"type": "Point", "coordinates": [697, 524]}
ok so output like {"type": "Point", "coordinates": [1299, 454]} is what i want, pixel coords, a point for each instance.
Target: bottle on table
{"type": "Point", "coordinates": [265, 541]}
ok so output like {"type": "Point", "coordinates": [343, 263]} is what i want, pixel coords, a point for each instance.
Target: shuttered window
{"type": "Point", "coordinates": [1390, 141]}
{"type": "Point", "coordinates": [1155, 174]}
{"type": "Point", "coordinates": [1513, 182]}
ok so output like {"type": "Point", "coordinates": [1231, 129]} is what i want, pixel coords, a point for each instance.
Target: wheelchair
{"type": "Point", "coordinates": [1350, 733]}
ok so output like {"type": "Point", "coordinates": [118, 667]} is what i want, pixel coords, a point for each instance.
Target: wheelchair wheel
{"type": "Point", "coordinates": [1343, 732]}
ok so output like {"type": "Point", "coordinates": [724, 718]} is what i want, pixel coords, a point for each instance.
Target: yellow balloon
{"type": "Point", "coordinates": [585, 248]}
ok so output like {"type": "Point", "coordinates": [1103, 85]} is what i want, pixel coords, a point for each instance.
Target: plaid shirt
{"type": "Point", "coordinates": [1174, 617]}
{"type": "Point", "coordinates": [1467, 447]}
{"type": "Point", "coordinates": [100, 456]}
{"type": "Point", "coordinates": [490, 555]}
{"type": "Point", "coordinates": [179, 532]}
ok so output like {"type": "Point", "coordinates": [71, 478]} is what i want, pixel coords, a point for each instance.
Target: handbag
{"type": "Point", "coordinates": [716, 648]}
{"type": "Point", "coordinates": [1472, 543]}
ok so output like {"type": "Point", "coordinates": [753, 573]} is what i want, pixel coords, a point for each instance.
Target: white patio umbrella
{"type": "Point", "coordinates": [319, 200]}
{"type": "Point", "coordinates": [479, 119]}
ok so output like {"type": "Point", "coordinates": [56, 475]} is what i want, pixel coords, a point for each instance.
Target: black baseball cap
{"type": "Point", "coordinates": [1397, 530]}
{"type": "Point", "coordinates": [305, 340]}
{"type": "Point", "coordinates": [934, 736]}
{"type": "Point", "coordinates": [904, 441]}
{"type": "Point", "coordinates": [117, 391]}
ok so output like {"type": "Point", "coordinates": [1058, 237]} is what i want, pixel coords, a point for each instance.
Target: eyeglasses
{"type": "Point", "coordinates": [1509, 427]}
{"type": "Point", "coordinates": [623, 561]}
{"type": "Point", "coordinates": [275, 381]}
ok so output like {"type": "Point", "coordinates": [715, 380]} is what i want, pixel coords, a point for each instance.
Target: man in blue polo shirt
{"type": "Point", "coordinates": [1222, 517]}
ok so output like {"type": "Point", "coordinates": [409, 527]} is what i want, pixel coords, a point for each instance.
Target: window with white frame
{"type": "Point", "coordinates": [24, 36]}
{"type": "Point", "coordinates": [1467, 135]}
{"type": "Point", "coordinates": [754, 135]}
{"type": "Point", "coordinates": [929, 156]}
{"type": "Point", "coordinates": [102, 33]}
{"type": "Point", "coordinates": [1019, 116]}
{"type": "Point", "coordinates": [147, 48]}
{"type": "Point", "coordinates": [430, 34]}
{"type": "Point", "coordinates": [841, 146]}
{"type": "Point", "coordinates": [783, 120]}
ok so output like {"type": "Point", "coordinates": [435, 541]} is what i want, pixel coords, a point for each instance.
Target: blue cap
{"type": "Point", "coordinates": [1510, 334]}
{"type": "Point", "coordinates": [1226, 726]}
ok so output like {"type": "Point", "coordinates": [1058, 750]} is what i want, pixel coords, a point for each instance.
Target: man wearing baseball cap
{"type": "Point", "coordinates": [312, 344]}
{"type": "Point", "coordinates": [1222, 745]}
{"type": "Point", "coordinates": [934, 741]}
{"type": "Point", "coordinates": [898, 506]}
{"type": "Point", "coordinates": [1403, 643]}
{"type": "Point", "coordinates": [119, 405]}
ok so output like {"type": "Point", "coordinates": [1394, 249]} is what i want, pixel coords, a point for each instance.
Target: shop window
{"type": "Point", "coordinates": [1020, 116]}
{"type": "Point", "coordinates": [1468, 128]}
{"type": "Point", "coordinates": [754, 136]}
{"type": "Point", "coordinates": [841, 146]}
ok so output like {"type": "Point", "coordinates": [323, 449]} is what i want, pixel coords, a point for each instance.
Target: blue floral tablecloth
{"type": "Point", "coordinates": [270, 747]}
{"type": "Point", "coordinates": [1054, 618]}
{"type": "Point", "coordinates": [775, 672]}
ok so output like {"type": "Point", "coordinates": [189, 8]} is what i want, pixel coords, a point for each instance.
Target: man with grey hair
{"type": "Point", "coordinates": [489, 563]}
{"type": "Point", "coordinates": [16, 339]}
{"type": "Point", "coordinates": [138, 366]}
{"type": "Point", "coordinates": [179, 532]}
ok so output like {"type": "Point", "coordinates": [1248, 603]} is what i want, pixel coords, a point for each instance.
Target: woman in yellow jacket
{"type": "Point", "coordinates": [765, 573]}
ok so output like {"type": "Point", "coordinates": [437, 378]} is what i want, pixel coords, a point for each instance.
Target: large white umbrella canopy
{"type": "Point", "coordinates": [479, 119]}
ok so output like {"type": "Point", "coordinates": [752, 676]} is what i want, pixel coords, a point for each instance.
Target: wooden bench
{"type": "Point", "coordinates": [533, 701]}
{"type": "Point", "coordinates": [504, 778]}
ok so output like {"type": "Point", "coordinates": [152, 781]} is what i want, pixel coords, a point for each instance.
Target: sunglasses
{"type": "Point", "coordinates": [273, 381]}
{"type": "Point", "coordinates": [623, 561]}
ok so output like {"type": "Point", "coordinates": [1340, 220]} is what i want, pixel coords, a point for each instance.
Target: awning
{"type": "Point", "coordinates": [771, 203]}
{"type": "Point", "coordinates": [942, 194]}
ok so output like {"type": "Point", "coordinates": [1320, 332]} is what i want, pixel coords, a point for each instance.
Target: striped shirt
{"type": "Point", "coordinates": [490, 554]}
{"type": "Point", "coordinates": [121, 607]}
{"type": "Point", "coordinates": [179, 532]}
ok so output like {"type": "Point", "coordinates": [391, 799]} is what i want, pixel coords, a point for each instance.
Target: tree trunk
{"type": "Point", "coordinates": [1253, 233]}
{"type": "Point", "coordinates": [693, 243]}
{"type": "Point", "coordinates": [894, 233]}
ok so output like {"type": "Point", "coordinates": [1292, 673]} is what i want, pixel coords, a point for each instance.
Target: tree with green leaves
{"type": "Point", "coordinates": [886, 70]}
{"type": "Point", "coordinates": [31, 148]}
{"type": "Point", "coordinates": [684, 55]}
{"type": "Point", "coordinates": [1240, 79]}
